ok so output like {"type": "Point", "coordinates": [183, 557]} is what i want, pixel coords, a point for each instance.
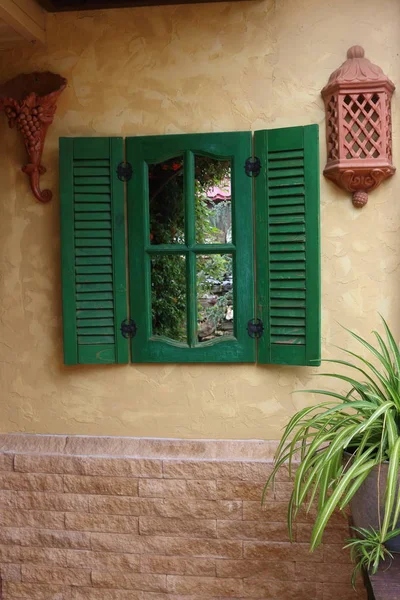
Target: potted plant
{"type": "Point", "coordinates": [347, 451]}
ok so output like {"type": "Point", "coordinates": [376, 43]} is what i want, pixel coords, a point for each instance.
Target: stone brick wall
{"type": "Point", "coordinates": [130, 519]}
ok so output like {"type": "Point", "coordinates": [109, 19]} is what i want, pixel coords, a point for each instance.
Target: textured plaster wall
{"type": "Point", "coordinates": [181, 69]}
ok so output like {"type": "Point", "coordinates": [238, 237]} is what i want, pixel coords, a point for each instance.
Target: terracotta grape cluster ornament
{"type": "Point", "coordinates": [29, 102]}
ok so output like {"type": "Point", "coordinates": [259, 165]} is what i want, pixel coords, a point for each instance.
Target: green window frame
{"type": "Point", "coordinates": [142, 151]}
{"type": "Point", "coordinates": [275, 248]}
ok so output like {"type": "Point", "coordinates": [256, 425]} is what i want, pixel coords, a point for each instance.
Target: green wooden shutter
{"type": "Point", "coordinates": [92, 251]}
{"type": "Point", "coordinates": [288, 248]}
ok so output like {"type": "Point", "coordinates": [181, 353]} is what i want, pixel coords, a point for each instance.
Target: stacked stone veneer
{"type": "Point", "coordinates": [128, 519]}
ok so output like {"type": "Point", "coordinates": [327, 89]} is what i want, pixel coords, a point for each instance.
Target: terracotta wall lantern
{"type": "Point", "coordinates": [29, 102]}
{"type": "Point", "coordinates": [358, 126]}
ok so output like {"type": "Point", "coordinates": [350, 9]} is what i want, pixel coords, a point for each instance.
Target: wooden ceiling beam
{"type": "Point", "coordinates": [26, 17]}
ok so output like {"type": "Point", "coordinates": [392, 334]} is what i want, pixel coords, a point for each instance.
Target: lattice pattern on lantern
{"type": "Point", "coordinates": [332, 129]}
{"type": "Point", "coordinates": [362, 121]}
{"type": "Point", "coordinates": [388, 129]}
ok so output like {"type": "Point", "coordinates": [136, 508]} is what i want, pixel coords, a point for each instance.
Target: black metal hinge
{"type": "Point", "coordinates": [128, 328]}
{"type": "Point", "coordinates": [255, 328]}
{"type": "Point", "coordinates": [124, 171]}
{"type": "Point", "coordinates": [252, 166]}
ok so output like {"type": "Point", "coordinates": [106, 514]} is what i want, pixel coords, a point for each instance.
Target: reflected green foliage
{"type": "Point", "coordinates": [168, 296]}
{"type": "Point", "coordinates": [167, 226]}
{"type": "Point", "coordinates": [214, 279]}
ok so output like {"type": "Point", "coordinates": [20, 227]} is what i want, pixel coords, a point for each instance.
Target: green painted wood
{"type": "Point", "coordinates": [79, 162]}
{"type": "Point", "coordinates": [275, 275]}
{"type": "Point", "coordinates": [313, 263]}
{"type": "Point", "coordinates": [295, 294]}
{"type": "Point", "coordinates": [286, 172]}
{"type": "Point", "coordinates": [94, 314]}
{"type": "Point", "coordinates": [96, 322]}
{"type": "Point", "coordinates": [68, 251]}
{"type": "Point", "coordinates": [285, 256]}
{"type": "Point", "coordinates": [92, 171]}
{"type": "Point", "coordinates": [93, 242]}
{"type": "Point", "coordinates": [93, 260]}
{"type": "Point", "coordinates": [287, 234]}
{"type": "Point", "coordinates": [277, 192]}
{"type": "Point", "coordinates": [286, 321]}
{"type": "Point", "coordinates": [87, 216]}
{"type": "Point", "coordinates": [100, 330]}
{"type": "Point", "coordinates": [286, 164]}
{"type": "Point", "coordinates": [288, 283]}
{"type": "Point", "coordinates": [95, 339]}
{"type": "Point", "coordinates": [96, 207]}
{"type": "Point", "coordinates": [290, 331]}
{"type": "Point", "coordinates": [190, 239]}
{"type": "Point", "coordinates": [94, 287]}
{"type": "Point", "coordinates": [92, 269]}
{"type": "Point", "coordinates": [94, 148]}
{"type": "Point", "coordinates": [146, 150]}
{"type": "Point", "coordinates": [276, 247]}
{"type": "Point", "coordinates": [98, 198]}
{"type": "Point", "coordinates": [93, 304]}
{"type": "Point", "coordinates": [288, 237]}
{"type": "Point", "coordinates": [96, 354]}
{"type": "Point", "coordinates": [93, 251]}
{"type": "Point", "coordinates": [92, 189]}
{"type": "Point", "coordinates": [90, 181]}
{"type": "Point", "coordinates": [86, 296]}
{"type": "Point", "coordinates": [93, 277]}
{"type": "Point", "coordinates": [95, 234]}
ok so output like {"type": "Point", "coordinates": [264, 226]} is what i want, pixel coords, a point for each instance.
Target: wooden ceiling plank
{"type": "Point", "coordinates": [25, 17]}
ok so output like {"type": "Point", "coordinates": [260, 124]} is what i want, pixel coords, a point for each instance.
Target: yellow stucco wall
{"type": "Point", "coordinates": [211, 67]}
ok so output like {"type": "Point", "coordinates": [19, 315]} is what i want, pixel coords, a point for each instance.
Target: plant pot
{"type": "Point", "coordinates": [369, 500]}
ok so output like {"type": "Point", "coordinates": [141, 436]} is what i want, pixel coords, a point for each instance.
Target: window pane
{"type": "Point", "coordinates": [168, 296]}
{"type": "Point", "coordinates": [213, 200]}
{"type": "Point", "coordinates": [214, 296]}
{"type": "Point", "coordinates": [166, 204]}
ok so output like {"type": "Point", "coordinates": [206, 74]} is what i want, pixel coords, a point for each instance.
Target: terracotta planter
{"type": "Point", "coordinates": [365, 503]}
{"type": "Point", "coordinates": [29, 102]}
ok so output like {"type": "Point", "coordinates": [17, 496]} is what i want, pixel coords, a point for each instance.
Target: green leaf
{"type": "Point", "coordinates": [391, 485]}
{"type": "Point", "coordinates": [358, 467]}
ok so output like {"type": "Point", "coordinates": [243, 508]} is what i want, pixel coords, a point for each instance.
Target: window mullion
{"type": "Point", "coordinates": [191, 299]}
{"type": "Point", "coordinates": [190, 239]}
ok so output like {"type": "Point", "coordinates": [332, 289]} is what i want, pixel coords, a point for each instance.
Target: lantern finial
{"type": "Point", "coordinates": [355, 52]}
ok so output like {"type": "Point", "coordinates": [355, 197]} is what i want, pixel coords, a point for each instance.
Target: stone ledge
{"type": "Point", "coordinates": [243, 450]}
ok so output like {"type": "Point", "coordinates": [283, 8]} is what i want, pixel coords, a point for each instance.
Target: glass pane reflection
{"type": "Point", "coordinates": [168, 296]}
{"type": "Point", "coordinates": [213, 200]}
{"type": "Point", "coordinates": [214, 296]}
{"type": "Point", "coordinates": [166, 203]}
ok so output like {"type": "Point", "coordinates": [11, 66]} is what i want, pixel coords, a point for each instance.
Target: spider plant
{"type": "Point", "coordinates": [368, 549]}
{"type": "Point", "coordinates": [363, 421]}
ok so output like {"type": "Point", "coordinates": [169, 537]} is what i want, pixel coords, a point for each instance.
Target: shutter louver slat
{"type": "Point", "coordinates": [93, 235]}
{"type": "Point", "coordinates": [281, 221]}
{"type": "Point", "coordinates": [287, 203]}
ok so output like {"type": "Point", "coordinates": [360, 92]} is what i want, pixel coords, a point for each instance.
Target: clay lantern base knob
{"type": "Point", "coordinates": [360, 199]}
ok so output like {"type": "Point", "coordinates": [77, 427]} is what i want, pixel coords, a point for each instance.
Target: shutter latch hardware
{"type": "Point", "coordinates": [255, 328]}
{"type": "Point", "coordinates": [128, 328]}
{"type": "Point", "coordinates": [124, 171]}
{"type": "Point", "coordinates": [252, 167]}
